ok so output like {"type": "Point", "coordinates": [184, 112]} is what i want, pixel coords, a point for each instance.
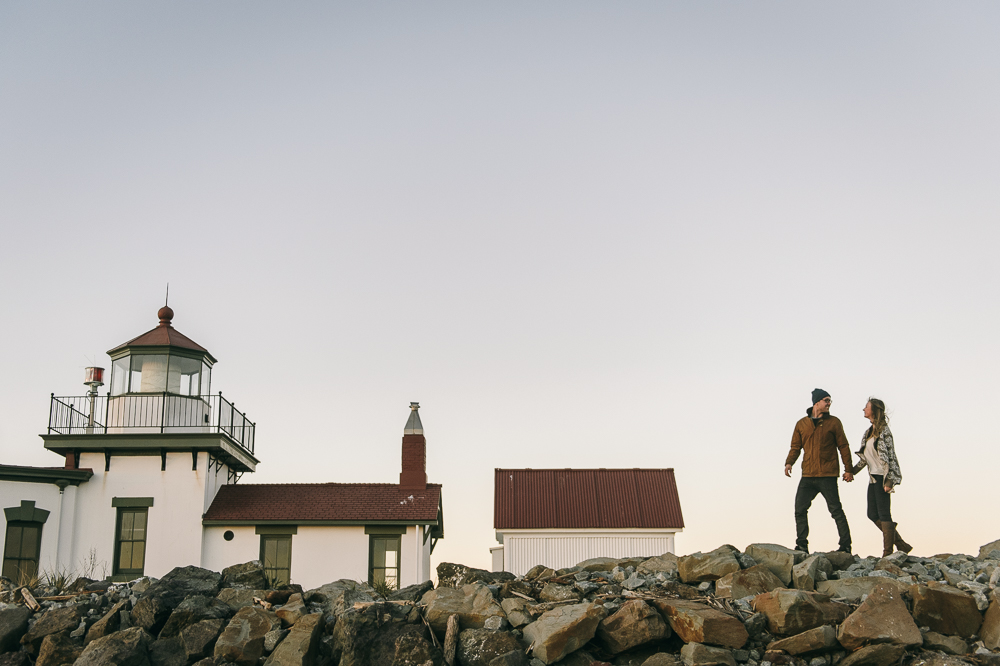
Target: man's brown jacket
{"type": "Point", "coordinates": [821, 443]}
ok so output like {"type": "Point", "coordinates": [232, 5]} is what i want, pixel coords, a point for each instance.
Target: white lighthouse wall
{"type": "Point", "coordinates": [173, 534]}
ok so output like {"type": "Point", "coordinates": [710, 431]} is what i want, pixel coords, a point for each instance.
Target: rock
{"type": "Point", "coordinates": [513, 658]}
{"type": "Point", "coordinates": [695, 622]}
{"type": "Point", "coordinates": [242, 641]}
{"type": "Point", "coordinates": [883, 654]}
{"type": "Point", "coordinates": [990, 629]}
{"type": "Point", "coordinates": [300, 646]}
{"type": "Point", "coordinates": [935, 659]}
{"type": "Point", "coordinates": [819, 639]}
{"type": "Point", "coordinates": [366, 637]}
{"type": "Point", "coordinates": [517, 611]}
{"type": "Point", "coordinates": [811, 570]}
{"type": "Point", "coordinates": [280, 597]}
{"type": "Point", "coordinates": [472, 603]}
{"type": "Point", "coordinates": [662, 659]}
{"type": "Point", "coordinates": [985, 551]}
{"type": "Point", "coordinates": [598, 564]}
{"type": "Point", "coordinates": [290, 613]}
{"type": "Point", "coordinates": [756, 624]}
{"type": "Point", "coordinates": [478, 647]}
{"type": "Point", "coordinates": [15, 659]}
{"type": "Point", "coordinates": [53, 621]}
{"type": "Point", "coordinates": [560, 631]}
{"type": "Point", "coordinates": [167, 652]}
{"type": "Point", "coordinates": [666, 564]}
{"type": "Point", "coordinates": [791, 612]}
{"type": "Point", "coordinates": [539, 571]}
{"type": "Point", "coordinates": [946, 644]}
{"type": "Point", "coordinates": [415, 650]}
{"type": "Point", "coordinates": [945, 610]}
{"type": "Point", "coordinates": [56, 650]}
{"type": "Point", "coordinates": [778, 559]}
{"type": "Point", "coordinates": [696, 654]}
{"type": "Point", "coordinates": [339, 596]}
{"type": "Point", "coordinates": [13, 625]}
{"type": "Point", "coordinates": [199, 638]}
{"type": "Point", "coordinates": [248, 576]}
{"type": "Point", "coordinates": [495, 623]}
{"type": "Point", "coordinates": [881, 618]}
{"type": "Point", "coordinates": [108, 624]}
{"type": "Point", "coordinates": [853, 589]}
{"type": "Point", "coordinates": [122, 648]}
{"type": "Point", "coordinates": [747, 582]}
{"type": "Point", "coordinates": [194, 609]}
{"type": "Point", "coordinates": [839, 559]}
{"type": "Point", "coordinates": [163, 596]}
{"type": "Point", "coordinates": [556, 592]}
{"type": "Point", "coordinates": [412, 592]}
{"type": "Point", "coordinates": [237, 598]}
{"type": "Point", "coordinates": [700, 567]}
{"type": "Point", "coordinates": [635, 623]}
{"type": "Point", "coordinates": [459, 575]}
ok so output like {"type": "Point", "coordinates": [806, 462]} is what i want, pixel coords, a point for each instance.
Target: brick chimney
{"type": "Point", "coordinates": [414, 474]}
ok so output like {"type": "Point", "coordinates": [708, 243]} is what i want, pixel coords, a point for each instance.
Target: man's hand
{"type": "Point", "coordinates": [848, 477]}
{"type": "Point", "coordinates": [788, 470]}
{"type": "Point", "coordinates": [887, 488]}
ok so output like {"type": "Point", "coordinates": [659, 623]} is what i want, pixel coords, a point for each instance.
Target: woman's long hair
{"type": "Point", "coordinates": [879, 419]}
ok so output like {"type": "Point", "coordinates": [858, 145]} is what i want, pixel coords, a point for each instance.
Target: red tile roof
{"type": "Point", "coordinates": [304, 502]}
{"type": "Point", "coordinates": [586, 498]}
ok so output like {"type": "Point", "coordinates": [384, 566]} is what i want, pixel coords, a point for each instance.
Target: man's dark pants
{"type": "Point", "coordinates": [809, 487]}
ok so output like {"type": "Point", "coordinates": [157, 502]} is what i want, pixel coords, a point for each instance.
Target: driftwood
{"type": "Point", "coordinates": [257, 601]}
{"type": "Point", "coordinates": [451, 640]}
{"type": "Point", "coordinates": [29, 600]}
{"type": "Point", "coordinates": [430, 630]}
{"type": "Point", "coordinates": [365, 604]}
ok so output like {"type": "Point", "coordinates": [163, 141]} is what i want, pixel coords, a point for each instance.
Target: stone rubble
{"type": "Point", "coordinates": [765, 606]}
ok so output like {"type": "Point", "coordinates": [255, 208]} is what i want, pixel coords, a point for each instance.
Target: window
{"type": "Point", "coordinates": [276, 556]}
{"type": "Point", "coordinates": [20, 551]}
{"type": "Point", "coordinates": [130, 541]}
{"type": "Point", "coordinates": [384, 559]}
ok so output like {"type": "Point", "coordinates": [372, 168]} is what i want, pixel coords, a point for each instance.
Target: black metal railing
{"type": "Point", "coordinates": [150, 413]}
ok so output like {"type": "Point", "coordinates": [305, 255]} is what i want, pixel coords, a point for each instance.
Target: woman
{"type": "Point", "coordinates": [879, 455]}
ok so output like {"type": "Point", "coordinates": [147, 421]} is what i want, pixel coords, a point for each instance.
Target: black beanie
{"type": "Point", "coordinates": [819, 394]}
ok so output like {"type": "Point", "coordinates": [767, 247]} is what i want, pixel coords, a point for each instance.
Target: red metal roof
{"type": "Point", "coordinates": [163, 335]}
{"type": "Point", "coordinates": [586, 498]}
{"type": "Point", "coordinates": [303, 502]}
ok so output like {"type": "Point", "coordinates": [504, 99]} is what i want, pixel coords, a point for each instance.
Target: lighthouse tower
{"type": "Point", "coordinates": [159, 444]}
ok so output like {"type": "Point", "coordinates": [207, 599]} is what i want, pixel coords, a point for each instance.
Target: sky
{"type": "Point", "coordinates": [579, 234]}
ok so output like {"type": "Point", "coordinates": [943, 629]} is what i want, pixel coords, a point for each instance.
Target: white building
{"type": "Point", "coordinates": [561, 517]}
{"type": "Point", "coordinates": [150, 482]}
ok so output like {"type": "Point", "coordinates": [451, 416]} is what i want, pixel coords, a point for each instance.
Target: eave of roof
{"type": "Point", "coordinates": [55, 475]}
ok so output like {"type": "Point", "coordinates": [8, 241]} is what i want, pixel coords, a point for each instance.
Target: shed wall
{"type": "Point", "coordinates": [558, 550]}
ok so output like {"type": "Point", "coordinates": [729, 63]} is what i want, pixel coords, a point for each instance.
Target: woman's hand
{"type": "Point", "coordinates": [887, 488]}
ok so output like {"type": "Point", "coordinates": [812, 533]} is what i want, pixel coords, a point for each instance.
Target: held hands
{"type": "Point", "coordinates": [887, 488]}
{"type": "Point", "coordinates": [848, 477]}
{"type": "Point", "coordinates": [788, 470]}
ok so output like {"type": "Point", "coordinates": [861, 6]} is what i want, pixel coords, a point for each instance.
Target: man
{"type": "Point", "coordinates": [821, 436]}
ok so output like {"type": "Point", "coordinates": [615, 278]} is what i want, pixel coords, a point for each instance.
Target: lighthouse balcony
{"type": "Point", "coordinates": [151, 414]}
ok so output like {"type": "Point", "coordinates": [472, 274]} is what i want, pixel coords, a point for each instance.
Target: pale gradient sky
{"type": "Point", "coordinates": [579, 234]}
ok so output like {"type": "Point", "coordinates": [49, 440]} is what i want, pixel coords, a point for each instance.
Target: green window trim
{"type": "Point", "coordinates": [132, 501]}
{"type": "Point", "coordinates": [131, 528]}
{"type": "Point", "coordinates": [384, 551]}
{"type": "Point", "coordinates": [276, 558]}
{"type": "Point", "coordinates": [22, 550]}
{"type": "Point", "coordinates": [276, 529]}
{"type": "Point", "coordinates": [26, 513]}
{"type": "Point", "coordinates": [385, 529]}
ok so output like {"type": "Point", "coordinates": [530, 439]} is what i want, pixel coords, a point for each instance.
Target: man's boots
{"type": "Point", "coordinates": [888, 537]}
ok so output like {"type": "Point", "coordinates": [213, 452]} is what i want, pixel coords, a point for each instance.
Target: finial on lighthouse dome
{"type": "Point", "coordinates": [165, 314]}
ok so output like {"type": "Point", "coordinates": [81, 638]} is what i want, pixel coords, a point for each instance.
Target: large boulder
{"type": "Point", "coordinates": [472, 603]}
{"type": "Point", "coordinates": [415, 650]}
{"type": "Point", "coordinates": [746, 582]}
{"type": "Point", "coordinates": [701, 567]}
{"type": "Point", "coordinates": [635, 623]}
{"type": "Point", "coordinates": [696, 654]}
{"type": "Point", "coordinates": [517, 611]}
{"type": "Point", "coordinates": [122, 648]}
{"type": "Point", "coordinates": [412, 592]}
{"type": "Point", "coordinates": [947, 644]}
{"type": "Point", "coordinates": [108, 624]}
{"type": "Point", "coordinates": [458, 575]}
{"type": "Point", "coordinates": [194, 609]}
{"type": "Point", "coordinates": [339, 596]}
{"type": "Point", "coordinates": [370, 635]}
{"type": "Point", "coordinates": [247, 576]}
{"type": "Point", "coordinates": [778, 559]}
{"type": "Point", "coordinates": [556, 592]}
{"type": "Point", "coordinates": [819, 639]}
{"type": "Point", "coordinates": [881, 654]}
{"type": "Point", "coordinates": [167, 652]}
{"type": "Point", "coordinates": [990, 629]}
{"type": "Point", "coordinates": [790, 612]}
{"type": "Point", "coordinates": [300, 645]}
{"type": "Point", "coordinates": [198, 639]}
{"type": "Point", "coordinates": [810, 571]}
{"type": "Point", "coordinates": [162, 597]}
{"type": "Point", "coordinates": [237, 597]}
{"type": "Point", "coordinates": [242, 641]}
{"type": "Point", "coordinates": [853, 589]}
{"type": "Point", "coordinates": [52, 621]}
{"type": "Point", "coordinates": [945, 610]}
{"type": "Point", "coordinates": [58, 649]}
{"type": "Point", "coordinates": [695, 622]}
{"type": "Point", "coordinates": [560, 631]}
{"type": "Point", "coordinates": [665, 564]}
{"type": "Point", "coordinates": [597, 564]}
{"type": "Point", "coordinates": [986, 551]}
{"type": "Point", "coordinates": [478, 647]}
{"type": "Point", "coordinates": [881, 618]}
{"type": "Point", "coordinates": [13, 625]}
{"type": "Point", "coordinates": [294, 609]}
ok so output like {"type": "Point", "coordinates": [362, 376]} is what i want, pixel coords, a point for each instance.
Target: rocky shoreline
{"type": "Point", "coordinates": [764, 606]}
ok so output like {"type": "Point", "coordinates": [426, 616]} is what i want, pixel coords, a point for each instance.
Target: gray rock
{"type": "Point", "coordinates": [415, 650]}
{"type": "Point", "coordinates": [696, 654]}
{"type": "Point", "coordinates": [853, 589]}
{"type": "Point", "coordinates": [290, 613]}
{"type": "Point", "coordinates": [366, 637]}
{"type": "Point", "coordinates": [242, 641]}
{"type": "Point", "coordinates": [412, 592]}
{"type": "Point", "coordinates": [695, 622]}
{"type": "Point", "coordinates": [167, 652]}
{"type": "Point", "coordinates": [512, 658]}
{"type": "Point", "coordinates": [459, 575]}
{"type": "Point", "coordinates": [881, 618]}
{"type": "Point", "coordinates": [778, 559]}
{"type": "Point", "coordinates": [882, 654]}
{"type": "Point", "coordinates": [58, 649]}
{"type": "Point", "coordinates": [192, 610]}
{"type": "Point", "coordinates": [247, 576]}
{"type": "Point", "coordinates": [272, 638]}
{"type": "Point", "coordinates": [160, 599]}
{"type": "Point", "coordinates": [339, 596]}
{"type": "Point", "coordinates": [472, 603]}
{"type": "Point", "coordinates": [666, 564]}
{"type": "Point", "coordinates": [634, 624]}
{"type": "Point", "coordinates": [299, 648]}
{"type": "Point", "coordinates": [557, 592]}
{"type": "Point", "coordinates": [791, 612]}
{"type": "Point", "coordinates": [818, 639]}
{"type": "Point", "coordinates": [634, 582]}
{"type": "Point", "coordinates": [199, 638]}
{"type": "Point", "coordinates": [946, 644]}
{"type": "Point", "coordinates": [813, 569]}
{"type": "Point", "coordinates": [700, 567]}
{"type": "Point", "coordinates": [987, 551]}
{"type": "Point", "coordinates": [123, 648]}
{"type": "Point", "coordinates": [13, 625]}
{"type": "Point", "coordinates": [237, 598]}
{"type": "Point", "coordinates": [478, 647]}
{"type": "Point", "coordinates": [945, 610]}
{"type": "Point", "coordinates": [54, 621]}
{"type": "Point", "coordinates": [495, 623]}
{"type": "Point", "coordinates": [563, 630]}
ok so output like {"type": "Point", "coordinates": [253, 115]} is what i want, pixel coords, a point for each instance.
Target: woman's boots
{"type": "Point", "coordinates": [902, 545]}
{"type": "Point", "coordinates": [890, 538]}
